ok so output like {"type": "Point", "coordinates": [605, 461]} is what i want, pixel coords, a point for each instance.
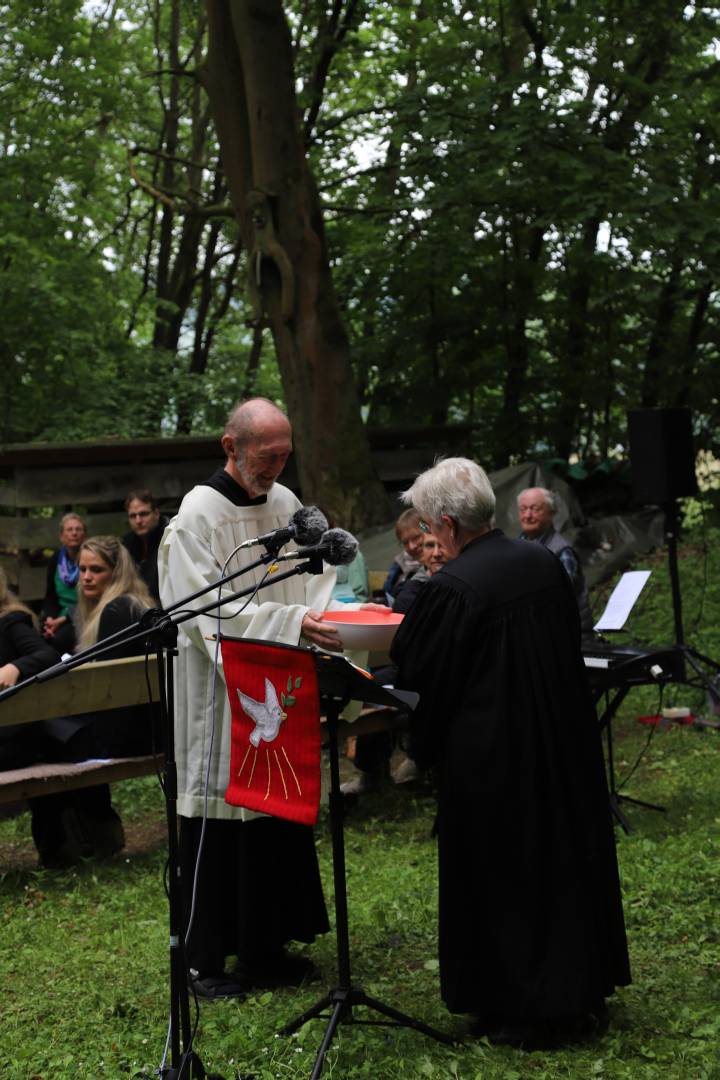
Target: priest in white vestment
{"type": "Point", "coordinates": [258, 885]}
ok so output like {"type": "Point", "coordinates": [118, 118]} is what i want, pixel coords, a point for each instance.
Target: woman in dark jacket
{"type": "Point", "coordinates": [81, 823]}
{"type": "Point", "coordinates": [23, 653]}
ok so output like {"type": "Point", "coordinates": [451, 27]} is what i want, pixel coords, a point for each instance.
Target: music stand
{"type": "Point", "coordinates": [675, 663]}
{"type": "Point", "coordinates": [339, 683]}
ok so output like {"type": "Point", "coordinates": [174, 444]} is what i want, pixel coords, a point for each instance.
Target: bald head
{"type": "Point", "coordinates": [257, 442]}
{"type": "Point", "coordinates": [255, 418]}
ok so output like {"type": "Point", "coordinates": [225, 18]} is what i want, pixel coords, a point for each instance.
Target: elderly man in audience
{"type": "Point", "coordinates": [536, 510]}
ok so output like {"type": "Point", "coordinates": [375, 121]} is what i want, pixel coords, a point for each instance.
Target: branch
{"type": "Point", "coordinates": [219, 210]}
{"type": "Point", "coordinates": [372, 170]}
{"type": "Point", "coordinates": [170, 71]}
{"type": "Point", "coordinates": [369, 211]}
{"type": "Point", "coordinates": [705, 73]}
{"type": "Point", "coordinates": [338, 121]}
{"type": "Point", "coordinates": [160, 196]}
{"type": "Point", "coordinates": [170, 197]}
{"type": "Point", "coordinates": [302, 19]}
{"type": "Point", "coordinates": [168, 157]}
{"type": "Point", "coordinates": [333, 33]}
{"type": "Point", "coordinates": [538, 39]}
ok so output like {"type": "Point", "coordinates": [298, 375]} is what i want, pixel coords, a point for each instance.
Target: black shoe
{"type": "Point", "coordinates": [105, 838]}
{"type": "Point", "coordinates": [546, 1034]}
{"type": "Point", "coordinates": [214, 987]}
{"type": "Point", "coordinates": [527, 1036]}
{"type": "Point", "coordinates": [277, 969]}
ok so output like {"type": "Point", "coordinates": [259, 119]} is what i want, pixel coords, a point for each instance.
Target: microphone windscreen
{"type": "Point", "coordinates": [341, 546]}
{"type": "Point", "coordinates": [309, 524]}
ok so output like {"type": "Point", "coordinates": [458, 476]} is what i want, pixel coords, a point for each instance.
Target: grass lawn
{"type": "Point", "coordinates": [83, 976]}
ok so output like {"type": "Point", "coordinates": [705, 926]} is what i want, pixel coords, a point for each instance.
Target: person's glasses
{"type": "Point", "coordinates": [140, 514]}
{"type": "Point", "coordinates": [423, 526]}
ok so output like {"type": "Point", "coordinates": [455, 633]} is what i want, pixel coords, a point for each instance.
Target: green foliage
{"type": "Point", "coordinates": [518, 249]}
{"type": "Point", "coordinates": [522, 210]}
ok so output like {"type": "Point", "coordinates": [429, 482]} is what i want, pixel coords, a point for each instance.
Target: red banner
{"type": "Point", "coordinates": [275, 739]}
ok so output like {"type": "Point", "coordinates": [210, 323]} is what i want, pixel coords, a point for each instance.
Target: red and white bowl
{"type": "Point", "coordinates": [371, 630]}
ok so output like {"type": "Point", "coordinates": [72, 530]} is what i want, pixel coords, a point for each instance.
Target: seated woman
{"type": "Point", "coordinates": [82, 823]}
{"type": "Point", "coordinates": [61, 587]}
{"type": "Point", "coordinates": [23, 653]}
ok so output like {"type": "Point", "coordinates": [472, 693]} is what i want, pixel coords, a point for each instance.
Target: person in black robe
{"type": "Point", "coordinates": [531, 929]}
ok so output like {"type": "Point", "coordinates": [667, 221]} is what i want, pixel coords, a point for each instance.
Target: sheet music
{"type": "Point", "coordinates": [622, 600]}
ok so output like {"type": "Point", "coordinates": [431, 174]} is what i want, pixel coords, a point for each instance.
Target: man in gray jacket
{"type": "Point", "coordinates": [536, 509]}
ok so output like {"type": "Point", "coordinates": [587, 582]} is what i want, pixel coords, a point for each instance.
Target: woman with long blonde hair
{"type": "Point", "coordinates": [112, 593]}
{"type": "Point", "coordinates": [112, 597]}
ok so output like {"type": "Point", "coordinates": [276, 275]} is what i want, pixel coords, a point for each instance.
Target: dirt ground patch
{"type": "Point", "coordinates": [142, 836]}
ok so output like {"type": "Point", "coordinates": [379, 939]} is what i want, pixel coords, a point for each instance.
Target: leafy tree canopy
{"type": "Point", "coordinates": [521, 202]}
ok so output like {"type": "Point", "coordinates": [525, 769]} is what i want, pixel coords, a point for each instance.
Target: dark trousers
{"type": "Point", "coordinates": [75, 824]}
{"type": "Point", "coordinates": [258, 887]}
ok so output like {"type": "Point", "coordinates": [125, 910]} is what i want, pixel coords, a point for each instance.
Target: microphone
{"type": "Point", "coordinates": [307, 526]}
{"type": "Point", "coordinates": [336, 547]}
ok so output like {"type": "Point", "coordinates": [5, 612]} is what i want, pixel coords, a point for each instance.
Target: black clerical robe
{"type": "Point", "coordinates": [531, 924]}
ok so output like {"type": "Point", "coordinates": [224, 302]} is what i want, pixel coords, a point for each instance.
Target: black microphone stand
{"type": "Point", "coordinates": [137, 630]}
{"type": "Point", "coordinates": [156, 627]}
{"type": "Point", "coordinates": [336, 690]}
{"type": "Point", "coordinates": [687, 657]}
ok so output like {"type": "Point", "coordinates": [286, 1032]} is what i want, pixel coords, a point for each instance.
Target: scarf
{"type": "Point", "coordinates": [68, 570]}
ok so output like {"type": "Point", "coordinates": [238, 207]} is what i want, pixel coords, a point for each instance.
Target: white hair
{"type": "Point", "coordinates": [549, 496]}
{"type": "Point", "coordinates": [457, 487]}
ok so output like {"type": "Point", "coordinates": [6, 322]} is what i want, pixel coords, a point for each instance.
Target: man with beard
{"type": "Point", "coordinates": [257, 884]}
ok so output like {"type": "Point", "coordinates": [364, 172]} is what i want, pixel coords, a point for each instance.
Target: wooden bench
{"type": "Point", "coordinates": [106, 684]}
{"type": "Point", "coordinates": [96, 687]}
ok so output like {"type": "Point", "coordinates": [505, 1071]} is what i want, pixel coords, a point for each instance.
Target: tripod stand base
{"type": "Point", "coordinates": [340, 1001]}
{"type": "Point", "coordinates": [192, 1070]}
{"type": "Point", "coordinates": [617, 813]}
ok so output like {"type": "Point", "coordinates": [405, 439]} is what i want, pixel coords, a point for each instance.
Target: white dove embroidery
{"type": "Point", "coordinates": [268, 715]}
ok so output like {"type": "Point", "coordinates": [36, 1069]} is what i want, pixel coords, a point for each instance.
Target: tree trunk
{"type": "Point", "coordinates": [689, 358]}
{"type": "Point", "coordinates": [655, 360]}
{"type": "Point", "coordinates": [250, 80]}
{"type": "Point", "coordinates": [520, 292]}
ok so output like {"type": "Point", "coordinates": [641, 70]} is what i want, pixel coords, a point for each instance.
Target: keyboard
{"type": "Point", "coordinates": [611, 665]}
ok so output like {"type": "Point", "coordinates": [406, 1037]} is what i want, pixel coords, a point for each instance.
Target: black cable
{"type": "Point", "coordinates": [188, 1049]}
{"type": "Point", "coordinates": [645, 748]}
{"type": "Point", "coordinates": [153, 732]}
{"type": "Point", "coordinates": [701, 609]}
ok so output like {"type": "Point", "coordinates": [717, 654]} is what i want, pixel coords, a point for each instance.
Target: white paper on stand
{"type": "Point", "coordinates": [622, 600]}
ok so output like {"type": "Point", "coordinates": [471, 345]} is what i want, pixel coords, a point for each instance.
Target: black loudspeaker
{"type": "Point", "coordinates": [662, 455]}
